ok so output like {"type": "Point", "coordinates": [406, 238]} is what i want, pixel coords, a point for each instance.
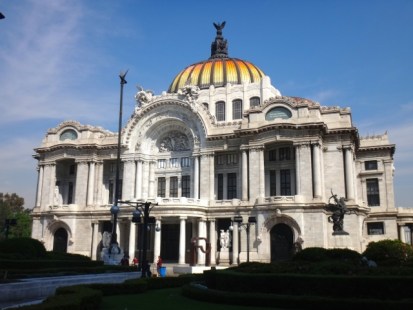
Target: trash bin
{"type": "Point", "coordinates": [162, 271]}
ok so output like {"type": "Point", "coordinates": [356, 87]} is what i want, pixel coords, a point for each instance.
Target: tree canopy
{"type": "Point", "coordinates": [11, 208]}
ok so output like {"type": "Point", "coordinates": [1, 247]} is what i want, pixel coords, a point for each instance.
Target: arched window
{"type": "Point", "coordinates": [68, 134]}
{"type": "Point", "coordinates": [237, 109]}
{"type": "Point", "coordinates": [220, 111]}
{"type": "Point", "coordinates": [278, 112]}
{"type": "Point", "coordinates": [254, 102]}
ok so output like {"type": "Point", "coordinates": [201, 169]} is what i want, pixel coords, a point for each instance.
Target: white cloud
{"type": "Point", "coordinates": [325, 95]}
{"type": "Point", "coordinates": [46, 64]}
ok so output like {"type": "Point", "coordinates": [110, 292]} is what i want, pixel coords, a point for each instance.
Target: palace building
{"type": "Point", "coordinates": [224, 158]}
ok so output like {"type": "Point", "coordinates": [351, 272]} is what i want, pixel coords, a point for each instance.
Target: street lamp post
{"type": "Point", "coordinates": [251, 221]}
{"type": "Point", "coordinates": [142, 211]}
{"type": "Point", "coordinates": [115, 208]}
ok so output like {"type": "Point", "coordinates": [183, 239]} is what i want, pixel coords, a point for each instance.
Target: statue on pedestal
{"type": "Point", "coordinates": [339, 209]}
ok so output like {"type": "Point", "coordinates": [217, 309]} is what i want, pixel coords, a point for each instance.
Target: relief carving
{"type": "Point", "coordinates": [175, 141]}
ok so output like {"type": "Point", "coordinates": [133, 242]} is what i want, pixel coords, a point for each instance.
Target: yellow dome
{"type": "Point", "coordinates": [218, 70]}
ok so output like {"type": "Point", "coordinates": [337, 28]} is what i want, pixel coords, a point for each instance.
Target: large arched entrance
{"type": "Point", "coordinates": [281, 242]}
{"type": "Point", "coordinates": [60, 240]}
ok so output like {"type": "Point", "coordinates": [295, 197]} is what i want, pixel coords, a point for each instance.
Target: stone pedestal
{"type": "Point", "coordinates": [342, 241]}
{"type": "Point", "coordinates": [112, 257]}
{"type": "Point", "coordinates": [223, 256]}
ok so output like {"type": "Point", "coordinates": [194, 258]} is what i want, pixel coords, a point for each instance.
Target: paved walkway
{"type": "Point", "coordinates": [35, 290]}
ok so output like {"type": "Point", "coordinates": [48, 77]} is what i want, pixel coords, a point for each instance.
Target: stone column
{"type": "Point", "coordinates": [304, 178]}
{"type": "Point", "coordinates": [201, 234]}
{"type": "Point", "coordinates": [254, 176]}
{"type": "Point", "coordinates": [389, 185]}
{"type": "Point", "coordinates": [204, 177]}
{"type": "Point", "coordinates": [348, 164]}
{"type": "Point", "coordinates": [128, 179]}
{"type": "Point", "coordinates": [81, 183]}
{"type": "Point", "coordinates": [402, 233]}
{"type": "Point", "coordinates": [235, 249]}
{"type": "Point", "coordinates": [157, 242]}
{"type": "Point", "coordinates": [182, 240]}
{"type": "Point", "coordinates": [91, 184]}
{"type": "Point", "coordinates": [211, 177]}
{"type": "Point", "coordinates": [316, 170]}
{"type": "Point", "coordinates": [52, 183]}
{"type": "Point", "coordinates": [132, 240]}
{"type": "Point", "coordinates": [95, 241]}
{"type": "Point", "coordinates": [138, 178]}
{"type": "Point", "coordinates": [39, 185]}
{"type": "Point", "coordinates": [145, 180]}
{"type": "Point", "coordinates": [213, 241]}
{"type": "Point", "coordinates": [99, 183]}
{"type": "Point", "coordinates": [196, 177]}
{"type": "Point", "coordinates": [297, 170]}
{"type": "Point", "coordinates": [261, 173]}
{"type": "Point", "coordinates": [151, 179]}
{"type": "Point", "coordinates": [244, 175]}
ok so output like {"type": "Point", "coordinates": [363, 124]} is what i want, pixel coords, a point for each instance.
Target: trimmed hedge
{"type": "Point", "coordinates": [69, 298]}
{"type": "Point", "coordinates": [290, 301]}
{"type": "Point", "coordinates": [319, 285]}
{"type": "Point", "coordinates": [89, 296]}
{"type": "Point", "coordinates": [22, 248]}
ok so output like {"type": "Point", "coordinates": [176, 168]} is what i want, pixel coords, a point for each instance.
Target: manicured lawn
{"type": "Point", "coordinates": [170, 299]}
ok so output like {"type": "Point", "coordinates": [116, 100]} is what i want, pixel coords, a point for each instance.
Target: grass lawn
{"type": "Point", "coordinates": [170, 299]}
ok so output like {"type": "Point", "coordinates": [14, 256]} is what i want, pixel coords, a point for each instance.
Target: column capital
{"type": "Point", "coordinates": [207, 154]}
{"type": "Point", "coordinates": [316, 143]}
{"type": "Point", "coordinates": [48, 164]}
{"type": "Point", "coordinates": [301, 143]}
{"type": "Point", "coordinates": [82, 161]}
{"type": "Point", "coordinates": [257, 148]}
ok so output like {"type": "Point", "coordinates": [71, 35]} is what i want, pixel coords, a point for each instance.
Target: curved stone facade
{"type": "Point", "coordinates": [208, 157]}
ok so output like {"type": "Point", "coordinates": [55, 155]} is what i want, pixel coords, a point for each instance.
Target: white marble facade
{"type": "Point", "coordinates": [278, 161]}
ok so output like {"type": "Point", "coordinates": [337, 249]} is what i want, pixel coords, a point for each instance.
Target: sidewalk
{"type": "Point", "coordinates": [35, 290]}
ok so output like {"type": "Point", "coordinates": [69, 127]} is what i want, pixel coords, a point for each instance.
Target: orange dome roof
{"type": "Point", "coordinates": [218, 70]}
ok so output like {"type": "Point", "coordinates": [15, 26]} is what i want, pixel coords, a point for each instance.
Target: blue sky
{"type": "Point", "coordinates": [60, 60]}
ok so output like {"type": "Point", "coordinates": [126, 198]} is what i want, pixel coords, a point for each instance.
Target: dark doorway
{"type": "Point", "coordinates": [281, 242]}
{"type": "Point", "coordinates": [170, 242]}
{"type": "Point", "coordinates": [60, 241]}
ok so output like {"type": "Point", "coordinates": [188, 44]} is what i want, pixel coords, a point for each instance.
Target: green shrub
{"type": "Point", "coordinates": [23, 248]}
{"type": "Point", "coordinates": [344, 254]}
{"type": "Point", "coordinates": [69, 298]}
{"type": "Point", "coordinates": [389, 252]}
{"type": "Point", "coordinates": [314, 254]}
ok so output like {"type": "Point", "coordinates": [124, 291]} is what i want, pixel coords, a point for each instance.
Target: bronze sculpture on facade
{"type": "Point", "coordinates": [339, 209]}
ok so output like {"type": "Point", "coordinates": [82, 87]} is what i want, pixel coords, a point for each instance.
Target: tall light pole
{"type": "Point", "coordinates": [115, 208]}
{"type": "Point", "coordinates": [142, 210]}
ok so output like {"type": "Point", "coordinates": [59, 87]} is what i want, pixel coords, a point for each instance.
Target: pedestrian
{"type": "Point", "coordinates": [159, 265]}
{"type": "Point", "coordinates": [124, 261]}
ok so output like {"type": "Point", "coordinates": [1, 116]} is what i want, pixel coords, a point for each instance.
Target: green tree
{"type": "Point", "coordinates": [11, 207]}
